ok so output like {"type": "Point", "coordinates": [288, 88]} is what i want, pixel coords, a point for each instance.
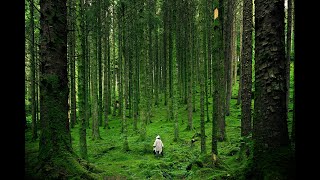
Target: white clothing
{"type": "Point", "coordinates": [158, 145]}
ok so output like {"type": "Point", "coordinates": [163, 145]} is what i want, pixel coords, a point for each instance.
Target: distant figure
{"type": "Point", "coordinates": [157, 146]}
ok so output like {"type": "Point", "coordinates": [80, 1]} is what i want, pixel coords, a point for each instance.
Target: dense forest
{"type": "Point", "coordinates": [214, 78]}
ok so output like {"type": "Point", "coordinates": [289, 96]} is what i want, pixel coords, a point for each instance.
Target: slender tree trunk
{"type": "Point", "coordinates": [217, 52]}
{"type": "Point", "coordinates": [82, 90]}
{"type": "Point", "coordinates": [99, 58]}
{"type": "Point", "coordinates": [115, 63]}
{"type": "Point", "coordinates": [34, 126]}
{"type": "Point", "coordinates": [246, 69]}
{"type": "Point", "coordinates": [221, 123]}
{"type": "Point", "coordinates": [124, 78]}
{"type": "Point", "coordinates": [234, 47]}
{"type": "Point", "coordinates": [165, 39]}
{"type": "Point", "coordinates": [120, 40]}
{"type": "Point", "coordinates": [107, 68]}
{"type": "Point", "coordinates": [72, 43]}
{"type": "Point", "coordinates": [189, 63]}
{"type": "Point", "coordinates": [240, 51]}
{"type": "Point", "coordinates": [157, 72]}
{"type": "Point", "coordinates": [293, 131]}
{"type": "Point", "coordinates": [95, 80]}
{"type": "Point", "coordinates": [228, 55]}
{"type": "Point", "coordinates": [288, 54]}
{"type": "Point", "coordinates": [202, 84]}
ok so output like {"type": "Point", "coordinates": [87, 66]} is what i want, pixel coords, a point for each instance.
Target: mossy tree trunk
{"type": "Point", "coordinates": [55, 133]}
{"type": "Point", "coordinates": [82, 83]}
{"type": "Point", "coordinates": [56, 157]}
{"type": "Point", "coordinates": [94, 75]}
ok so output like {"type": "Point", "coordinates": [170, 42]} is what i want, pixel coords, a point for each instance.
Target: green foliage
{"type": "Point", "coordinates": [180, 160]}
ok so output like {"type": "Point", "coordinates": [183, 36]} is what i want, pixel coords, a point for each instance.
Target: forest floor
{"type": "Point", "coordinates": [180, 160]}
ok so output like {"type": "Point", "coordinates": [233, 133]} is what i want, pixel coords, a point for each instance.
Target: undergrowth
{"type": "Point", "coordinates": [180, 160]}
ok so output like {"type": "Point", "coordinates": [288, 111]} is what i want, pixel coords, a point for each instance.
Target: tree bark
{"type": "Point", "coordinates": [246, 69]}
{"type": "Point", "coordinates": [270, 130]}
{"type": "Point", "coordinates": [56, 157]}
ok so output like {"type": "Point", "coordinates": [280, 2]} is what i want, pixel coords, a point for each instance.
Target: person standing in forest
{"type": "Point", "coordinates": [157, 146]}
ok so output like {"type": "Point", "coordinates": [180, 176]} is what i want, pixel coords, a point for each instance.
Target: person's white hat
{"type": "Point", "coordinates": [158, 137]}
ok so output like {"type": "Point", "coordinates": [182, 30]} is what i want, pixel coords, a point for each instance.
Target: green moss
{"type": "Point", "coordinates": [140, 163]}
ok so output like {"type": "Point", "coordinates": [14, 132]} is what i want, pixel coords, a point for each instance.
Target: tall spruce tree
{"type": "Point", "coordinates": [56, 157]}
{"type": "Point", "coordinates": [270, 129]}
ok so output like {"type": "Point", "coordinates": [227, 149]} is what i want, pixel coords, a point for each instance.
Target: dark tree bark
{"type": "Point", "coordinates": [55, 135]}
{"type": "Point", "coordinates": [270, 130]}
{"type": "Point", "coordinates": [228, 54]}
{"type": "Point", "coordinates": [246, 69]}
{"type": "Point", "coordinates": [56, 157]}
{"type": "Point", "coordinates": [221, 121]}
{"type": "Point", "coordinates": [217, 52]}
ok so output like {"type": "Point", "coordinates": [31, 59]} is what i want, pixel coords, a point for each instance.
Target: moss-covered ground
{"type": "Point", "coordinates": [180, 160]}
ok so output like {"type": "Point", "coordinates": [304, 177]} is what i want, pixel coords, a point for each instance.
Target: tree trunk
{"type": "Point", "coordinates": [270, 130]}
{"type": "Point", "coordinates": [95, 83]}
{"type": "Point", "coordinates": [56, 157]}
{"type": "Point", "coordinates": [240, 52]}
{"type": "Point", "coordinates": [228, 55]}
{"type": "Point", "coordinates": [34, 126]}
{"type": "Point", "coordinates": [293, 131]}
{"type": "Point", "coordinates": [107, 69]}
{"type": "Point", "coordinates": [221, 123]}
{"type": "Point", "coordinates": [202, 82]}
{"type": "Point", "coordinates": [246, 69]}
{"type": "Point", "coordinates": [288, 54]}
{"type": "Point", "coordinates": [115, 64]}
{"type": "Point", "coordinates": [217, 52]}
